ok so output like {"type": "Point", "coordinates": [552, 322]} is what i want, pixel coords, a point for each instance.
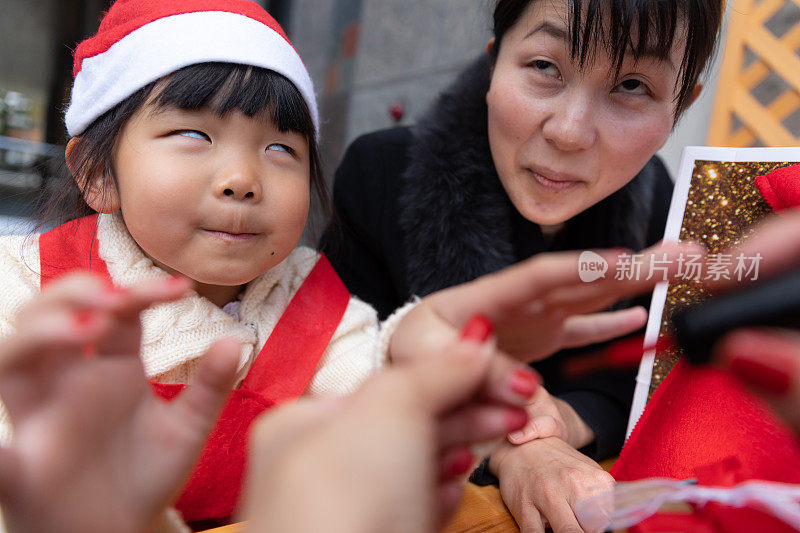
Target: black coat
{"type": "Point", "coordinates": [420, 209]}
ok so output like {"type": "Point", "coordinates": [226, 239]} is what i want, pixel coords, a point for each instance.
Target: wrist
{"type": "Point", "coordinates": [498, 457]}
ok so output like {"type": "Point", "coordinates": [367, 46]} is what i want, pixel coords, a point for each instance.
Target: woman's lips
{"type": "Point", "coordinates": [232, 237]}
{"type": "Point", "coordinates": [560, 184]}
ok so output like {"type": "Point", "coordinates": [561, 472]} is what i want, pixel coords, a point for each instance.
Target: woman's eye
{"type": "Point", "coordinates": [280, 148]}
{"type": "Point", "coordinates": [633, 86]}
{"type": "Point", "coordinates": [194, 134]}
{"type": "Point", "coordinates": [545, 67]}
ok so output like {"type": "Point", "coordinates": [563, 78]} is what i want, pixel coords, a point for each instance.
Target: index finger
{"type": "Point", "coordinates": [495, 294]}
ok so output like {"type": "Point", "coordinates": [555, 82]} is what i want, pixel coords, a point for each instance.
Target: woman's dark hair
{"type": "Point", "coordinates": [222, 87]}
{"type": "Point", "coordinates": [636, 27]}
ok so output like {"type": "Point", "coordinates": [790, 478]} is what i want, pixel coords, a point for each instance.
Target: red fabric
{"type": "Point", "coordinates": [214, 488]}
{"type": "Point", "coordinates": [781, 187]}
{"type": "Point", "coordinates": [281, 371]}
{"type": "Point", "coordinates": [742, 520]}
{"type": "Point", "coordinates": [728, 473]}
{"type": "Point", "coordinates": [58, 254]}
{"type": "Point", "coordinates": [701, 416]}
{"type": "Point", "coordinates": [312, 314]}
{"type": "Point", "coordinates": [126, 16]}
{"type": "Point", "coordinates": [674, 522]}
{"type": "Point", "coordinates": [701, 423]}
{"type": "Point", "coordinates": [712, 518]}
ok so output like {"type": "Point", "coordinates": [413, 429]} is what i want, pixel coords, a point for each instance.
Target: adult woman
{"type": "Point", "coordinates": [545, 144]}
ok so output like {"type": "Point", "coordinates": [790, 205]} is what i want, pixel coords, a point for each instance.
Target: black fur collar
{"type": "Point", "coordinates": [456, 218]}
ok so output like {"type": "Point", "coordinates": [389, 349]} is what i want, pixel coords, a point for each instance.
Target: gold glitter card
{"type": "Point", "coordinates": [715, 202]}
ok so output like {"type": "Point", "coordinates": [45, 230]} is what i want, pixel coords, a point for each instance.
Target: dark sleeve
{"type": "Point", "coordinates": [661, 200]}
{"type": "Point", "coordinates": [606, 415]}
{"type": "Point", "coordinates": [604, 400]}
{"type": "Point", "coordinates": [363, 240]}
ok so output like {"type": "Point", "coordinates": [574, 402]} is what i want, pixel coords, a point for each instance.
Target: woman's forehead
{"type": "Point", "coordinates": [651, 31]}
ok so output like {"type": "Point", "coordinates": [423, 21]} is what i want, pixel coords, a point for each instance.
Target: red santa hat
{"type": "Point", "coordinates": [139, 41]}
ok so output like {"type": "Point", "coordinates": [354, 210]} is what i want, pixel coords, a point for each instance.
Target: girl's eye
{"type": "Point", "coordinates": [545, 67]}
{"type": "Point", "coordinates": [280, 148]}
{"type": "Point", "coordinates": [632, 86]}
{"type": "Point", "coordinates": [194, 134]}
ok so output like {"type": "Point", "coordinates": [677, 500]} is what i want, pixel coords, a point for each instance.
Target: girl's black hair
{"type": "Point", "coordinates": [636, 27]}
{"type": "Point", "coordinates": [222, 87]}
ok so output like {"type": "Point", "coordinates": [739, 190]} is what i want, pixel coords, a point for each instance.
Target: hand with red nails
{"type": "Point", "coordinates": [538, 306]}
{"type": "Point", "coordinates": [391, 457]}
{"type": "Point", "coordinates": [93, 449]}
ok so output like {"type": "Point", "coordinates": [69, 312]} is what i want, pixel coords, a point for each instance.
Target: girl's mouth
{"type": "Point", "coordinates": [232, 237]}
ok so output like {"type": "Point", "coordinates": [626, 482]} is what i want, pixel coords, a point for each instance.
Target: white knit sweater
{"type": "Point", "coordinates": [176, 334]}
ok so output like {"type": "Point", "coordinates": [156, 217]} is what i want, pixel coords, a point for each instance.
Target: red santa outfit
{"type": "Point", "coordinates": [301, 332]}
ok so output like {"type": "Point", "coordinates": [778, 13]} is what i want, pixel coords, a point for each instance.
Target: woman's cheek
{"type": "Point", "coordinates": [631, 144]}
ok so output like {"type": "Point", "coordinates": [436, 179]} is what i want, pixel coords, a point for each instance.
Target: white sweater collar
{"type": "Point", "coordinates": [175, 334]}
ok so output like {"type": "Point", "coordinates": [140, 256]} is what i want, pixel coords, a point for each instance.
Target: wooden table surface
{"type": "Point", "coordinates": [481, 510]}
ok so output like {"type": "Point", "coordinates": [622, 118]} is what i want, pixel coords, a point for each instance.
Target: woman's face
{"type": "Point", "coordinates": [563, 138]}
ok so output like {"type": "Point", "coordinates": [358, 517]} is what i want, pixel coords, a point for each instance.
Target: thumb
{"type": "Point", "coordinates": [539, 427]}
{"type": "Point", "coordinates": [200, 404]}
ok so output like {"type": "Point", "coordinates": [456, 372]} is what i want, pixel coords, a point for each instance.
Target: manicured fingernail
{"type": "Point", "coordinates": [515, 419]}
{"type": "Point", "coordinates": [461, 463]}
{"type": "Point", "coordinates": [112, 294]}
{"type": "Point", "coordinates": [477, 329]}
{"type": "Point", "coordinates": [116, 290]}
{"type": "Point", "coordinates": [176, 280]}
{"type": "Point", "coordinates": [775, 377]}
{"type": "Point", "coordinates": [84, 319]}
{"type": "Point", "coordinates": [524, 382]}
{"type": "Point", "coordinates": [89, 350]}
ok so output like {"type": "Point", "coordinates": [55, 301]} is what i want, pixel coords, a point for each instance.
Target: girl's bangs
{"type": "Point", "coordinates": [225, 87]}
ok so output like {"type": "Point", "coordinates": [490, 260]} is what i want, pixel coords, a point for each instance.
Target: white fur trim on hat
{"type": "Point", "coordinates": [171, 43]}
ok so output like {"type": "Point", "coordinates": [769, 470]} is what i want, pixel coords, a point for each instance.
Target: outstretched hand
{"type": "Point", "coordinates": [538, 306]}
{"type": "Point", "coordinates": [92, 444]}
{"type": "Point", "coordinates": [388, 458]}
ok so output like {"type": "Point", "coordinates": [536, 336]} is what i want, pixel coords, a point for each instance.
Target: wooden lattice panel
{"type": "Point", "coordinates": [758, 96]}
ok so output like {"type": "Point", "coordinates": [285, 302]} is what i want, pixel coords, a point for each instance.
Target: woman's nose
{"type": "Point", "coordinates": [238, 183]}
{"type": "Point", "coordinates": [571, 126]}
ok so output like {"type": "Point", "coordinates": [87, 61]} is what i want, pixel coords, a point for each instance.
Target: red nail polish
{"type": "Point", "coordinates": [477, 329]}
{"type": "Point", "coordinates": [524, 382]}
{"type": "Point", "coordinates": [89, 351]}
{"type": "Point", "coordinates": [84, 318]}
{"type": "Point", "coordinates": [115, 290]}
{"type": "Point", "coordinates": [515, 418]}
{"type": "Point", "coordinates": [775, 377]}
{"type": "Point", "coordinates": [461, 462]}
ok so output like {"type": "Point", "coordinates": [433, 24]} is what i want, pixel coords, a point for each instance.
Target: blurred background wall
{"type": "Point", "coordinates": [375, 63]}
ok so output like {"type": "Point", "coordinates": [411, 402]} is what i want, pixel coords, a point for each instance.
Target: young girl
{"type": "Point", "coordinates": [194, 151]}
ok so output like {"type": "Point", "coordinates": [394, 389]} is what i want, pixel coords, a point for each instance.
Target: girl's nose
{"type": "Point", "coordinates": [238, 184]}
{"type": "Point", "coordinates": [571, 126]}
